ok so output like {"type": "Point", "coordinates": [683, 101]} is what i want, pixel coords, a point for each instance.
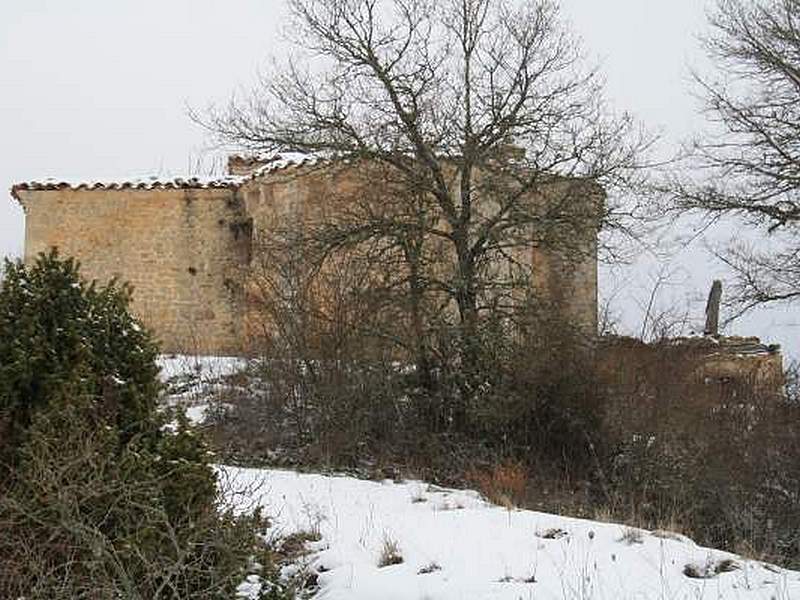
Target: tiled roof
{"type": "Point", "coordinates": [143, 183]}
{"type": "Point", "coordinates": [265, 164]}
{"type": "Point", "coordinates": [268, 165]}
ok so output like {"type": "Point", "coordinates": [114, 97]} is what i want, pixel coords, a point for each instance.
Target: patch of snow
{"type": "Point", "coordinates": [192, 379]}
{"type": "Point", "coordinates": [205, 367]}
{"type": "Point", "coordinates": [481, 551]}
{"type": "Point", "coordinates": [197, 413]}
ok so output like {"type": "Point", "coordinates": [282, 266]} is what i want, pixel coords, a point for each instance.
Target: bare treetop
{"type": "Point", "coordinates": [412, 82]}
{"type": "Point", "coordinates": [757, 45]}
{"type": "Point", "coordinates": [473, 110]}
{"type": "Point", "coordinates": [749, 165]}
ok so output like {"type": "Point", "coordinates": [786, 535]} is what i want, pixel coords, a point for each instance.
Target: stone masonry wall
{"type": "Point", "coordinates": [179, 248]}
{"type": "Point", "coordinates": [569, 286]}
{"type": "Point", "coordinates": [566, 284]}
{"type": "Point", "coordinates": [185, 249]}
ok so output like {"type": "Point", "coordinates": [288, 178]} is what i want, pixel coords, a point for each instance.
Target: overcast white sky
{"type": "Point", "coordinates": [96, 89]}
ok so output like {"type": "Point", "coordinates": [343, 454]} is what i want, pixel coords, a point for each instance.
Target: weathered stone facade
{"type": "Point", "coordinates": [183, 243]}
{"type": "Point", "coordinates": [174, 246]}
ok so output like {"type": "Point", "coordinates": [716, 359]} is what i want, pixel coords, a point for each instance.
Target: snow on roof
{"type": "Point", "coordinates": [268, 165]}
{"type": "Point", "coordinates": [130, 183]}
{"type": "Point", "coordinates": [262, 164]}
{"type": "Point", "coordinates": [291, 159]}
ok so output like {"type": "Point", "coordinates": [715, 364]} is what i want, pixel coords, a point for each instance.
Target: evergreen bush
{"type": "Point", "coordinates": [58, 331]}
{"type": "Point", "coordinates": [99, 497]}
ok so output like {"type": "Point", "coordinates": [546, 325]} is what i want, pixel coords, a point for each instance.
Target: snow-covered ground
{"type": "Point", "coordinates": [192, 378]}
{"type": "Point", "coordinates": [456, 546]}
{"type": "Point", "coordinates": [204, 368]}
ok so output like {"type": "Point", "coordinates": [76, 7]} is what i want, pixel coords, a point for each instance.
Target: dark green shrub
{"type": "Point", "coordinates": [55, 328]}
{"type": "Point", "coordinates": [98, 497]}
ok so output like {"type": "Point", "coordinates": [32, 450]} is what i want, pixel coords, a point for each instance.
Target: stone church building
{"type": "Point", "coordinates": [182, 242]}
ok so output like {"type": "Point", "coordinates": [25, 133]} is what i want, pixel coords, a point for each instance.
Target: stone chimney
{"type": "Point", "coordinates": [245, 165]}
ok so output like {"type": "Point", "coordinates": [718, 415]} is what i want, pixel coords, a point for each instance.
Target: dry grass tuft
{"type": "Point", "coordinates": [631, 536]}
{"type": "Point", "coordinates": [710, 569]}
{"type": "Point", "coordinates": [431, 567]}
{"type": "Point", "coordinates": [554, 533]}
{"type": "Point", "coordinates": [390, 553]}
{"type": "Point", "coordinates": [294, 545]}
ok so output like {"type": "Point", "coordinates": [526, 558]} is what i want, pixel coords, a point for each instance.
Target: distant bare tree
{"type": "Point", "coordinates": [663, 320]}
{"type": "Point", "coordinates": [477, 108]}
{"type": "Point", "coordinates": [750, 166]}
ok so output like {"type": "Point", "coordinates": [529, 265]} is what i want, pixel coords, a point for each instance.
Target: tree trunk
{"type": "Point", "coordinates": [469, 345]}
{"type": "Point", "coordinates": [421, 360]}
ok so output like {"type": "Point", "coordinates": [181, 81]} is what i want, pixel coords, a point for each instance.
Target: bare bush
{"type": "Point", "coordinates": [722, 468]}
{"type": "Point", "coordinates": [79, 521]}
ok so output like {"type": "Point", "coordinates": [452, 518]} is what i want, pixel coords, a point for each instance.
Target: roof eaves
{"type": "Point", "coordinates": [152, 183]}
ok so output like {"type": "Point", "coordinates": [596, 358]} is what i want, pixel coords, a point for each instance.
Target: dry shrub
{"type": "Point", "coordinates": [505, 484]}
{"type": "Point", "coordinates": [362, 369]}
{"type": "Point", "coordinates": [431, 567]}
{"type": "Point", "coordinates": [88, 518]}
{"type": "Point", "coordinates": [720, 459]}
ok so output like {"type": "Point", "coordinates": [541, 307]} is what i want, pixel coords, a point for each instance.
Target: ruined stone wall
{"type": "Point", "coordinates": [280, 205]}
{"type": "Point", "coordinates": [177, 247]}
{"type": "Point", "coordinates": [719, 369]}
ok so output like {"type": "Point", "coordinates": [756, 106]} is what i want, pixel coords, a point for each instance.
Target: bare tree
{"type": "Point", "coordinates": [479, 109]}
{"type": "Point", "coordinates": [749, 166]}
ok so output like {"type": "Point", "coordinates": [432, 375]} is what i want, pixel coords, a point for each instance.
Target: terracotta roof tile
{"type": "Point", "coordinates": [272, 164]}
{"type": "Point", "coordinates": [145, 183]}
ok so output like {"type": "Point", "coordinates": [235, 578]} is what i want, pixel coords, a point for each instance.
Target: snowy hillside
{"type": "Point", "coordinates": [452, 545]}
{"type": "Point", "coordinates": [455, 546]}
